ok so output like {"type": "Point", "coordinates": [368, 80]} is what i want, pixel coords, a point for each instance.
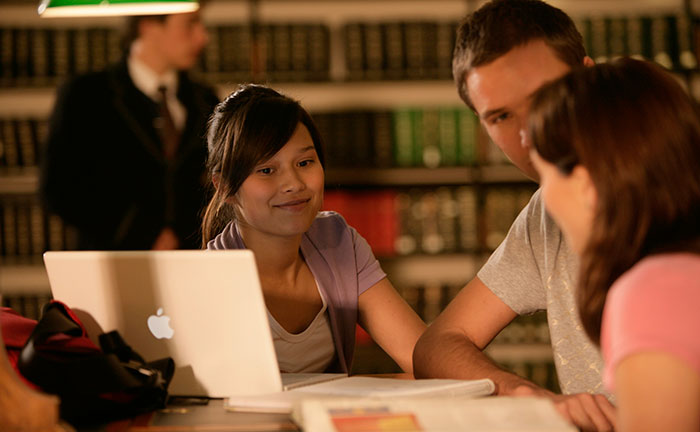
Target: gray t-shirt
{"type": "Point", "coordinates": [533, 269]}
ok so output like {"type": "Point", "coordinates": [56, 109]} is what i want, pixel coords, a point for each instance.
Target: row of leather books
{"type": "Point", "coordinates": [396, 50]}
{"type": "Point", "coordinates": [44, 56]}
{"type": "Point", "coordinates": [20, 141]}
{"type": "Point", "coordinates": [403, 137]}
{"type": "Point", "coordinates": [27, 231]}
{"type": "Point", "coordinates": [458, 219]}
{"type": "Point", "coordinates": [28, 305]}
{"type": "Point", "coordinates": [394, 221]}
{"type": "Point", "coordinates": [423, 49]}
{"type": "Point", "coordinates": [666, 39]}
{"type": "Point", "coordinates": [301, 51]}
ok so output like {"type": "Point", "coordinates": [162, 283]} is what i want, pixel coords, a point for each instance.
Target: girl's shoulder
{"type": "Point", "coordinates": [327, 222]}
{"type": "Point", "coordinates": [659, 277]}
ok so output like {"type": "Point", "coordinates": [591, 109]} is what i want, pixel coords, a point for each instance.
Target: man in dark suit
{"type": "Point", "coordinates": [124, 162]}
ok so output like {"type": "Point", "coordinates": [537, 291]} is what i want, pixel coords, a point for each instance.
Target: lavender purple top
{"type": "Point", "coordinates": [344, 267]}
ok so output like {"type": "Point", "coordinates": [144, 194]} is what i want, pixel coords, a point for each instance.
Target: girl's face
{"type": "Point", "coordinates": [569, 199]}
{"type": "Point", "coordinates": [283, 194]}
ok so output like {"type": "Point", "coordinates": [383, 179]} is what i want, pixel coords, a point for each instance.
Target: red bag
{"type": "Point", "coordinates": [95, 385]}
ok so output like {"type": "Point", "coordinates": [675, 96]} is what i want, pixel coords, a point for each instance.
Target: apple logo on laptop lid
{"type": "Point", "coordinates": [159, 325]}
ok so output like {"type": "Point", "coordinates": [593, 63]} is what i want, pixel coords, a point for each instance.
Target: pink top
{"type": "Point", "coordinates": [654, 306]}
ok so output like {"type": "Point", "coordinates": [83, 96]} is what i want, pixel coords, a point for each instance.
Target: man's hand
{"type": "Point", "coordinates": [589, 412]}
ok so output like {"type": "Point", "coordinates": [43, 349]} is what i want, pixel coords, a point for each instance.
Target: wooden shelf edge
{"type": "Point", "coordinates": [23, 279]}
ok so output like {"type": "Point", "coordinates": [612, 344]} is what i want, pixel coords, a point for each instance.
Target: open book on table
{"type": "Point", "coordinates": [435, 414]}
{"type": "Point", "coordinates": [359, 387]}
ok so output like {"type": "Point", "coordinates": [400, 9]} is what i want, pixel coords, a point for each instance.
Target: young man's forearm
{"type": "Point", "coordinates": [453, 355]}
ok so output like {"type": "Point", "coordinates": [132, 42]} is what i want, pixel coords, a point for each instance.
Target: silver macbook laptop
{"type": "Point", "coordinates": [204, 309]}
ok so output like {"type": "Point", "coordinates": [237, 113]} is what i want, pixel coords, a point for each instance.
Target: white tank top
{"type": "Point", "coordinates": [312, 350]}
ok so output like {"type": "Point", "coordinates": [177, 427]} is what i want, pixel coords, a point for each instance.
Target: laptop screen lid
{"type": "Point", "coordinates": [204, 309]}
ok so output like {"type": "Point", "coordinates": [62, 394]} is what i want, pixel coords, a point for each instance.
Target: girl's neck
{"type": "Point", "coordinates": [276, 257]}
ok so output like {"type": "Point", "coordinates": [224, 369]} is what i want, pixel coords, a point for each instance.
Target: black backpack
{"type": "Point", "coordinates": [95, 385]}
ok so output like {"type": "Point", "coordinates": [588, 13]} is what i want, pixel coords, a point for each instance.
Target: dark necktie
{"type": "Point", "coordinates": [169, 133]}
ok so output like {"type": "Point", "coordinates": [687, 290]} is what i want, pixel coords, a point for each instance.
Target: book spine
{"type": "Point", "coordinates": [415, 56]}
{"type": "Point", "coordinates": [660, 42]}
{"type": "Point", "coordinates": [24, 244]}
{"type": "Point", "coordinates": [319, 52]}
{"type": "Point", "coordinates": [403, 137]}
{"type": "Point", "coordinates": [37, 230]}
{"type": "Point", "coordinates": [61, 52]}
{"type": "Point", "coordinates": [98, 48]}
{"type": "Point", "coordinates": [9, 224]}
{"type": "Point", "coordinates": [431, 240]}
{"type": "Point", "coordinates": [354, 58]}
{"type": "Point", "coordinates": [360, 148]}
{"type": "Point", "coordinates": [445, 34]}
{"type": "Point", "coordinates": [81, 51]}
{"type": "Point", "coordinates": [407, 225]}
{"type": "Point", "coordinates": [429, 47]}
{"type": "Point", "coordinates": [447, 218]}
{"type": "Point", "coordinates": [22, 57]}
{"type": "Point", "coordinates": [687, 57]}
{"type": "Point", "coordinates": [6, 54]}
{"type": "Point", "coordinates": [467, 218]}
{"type": "Point", "coordinates": [599, 50]}
{"type": "Point", "coordinates": [40, 57]}
{"type": "Point", "coordinates": [431, 156]}
{"type": "Point", "coordinates": [394, 51]}
{"type": "Point", "coordinates": [280, 65]}
{"type": "Point", "coordinates": [11, 146]}
{"type": "Point", "coordinates": [448, 137]}
{"type": "Point", "coordinates": [27, 144]}
{"type": "Point", "coordinates": [299, 45]}
{"type": "Point", "coordinates": [373, 50]}
{"type": "Point", "coordinates": [468, 126]}
{"type": "Point", "coordinates": [634, 38]}
{"type": "Point", "coordinates": [383, 140]}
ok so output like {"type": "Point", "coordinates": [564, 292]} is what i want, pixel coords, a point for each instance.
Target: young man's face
{"type": "Point", "coordinates": [181, 38]}
{"type": "Point", "coordinates": [501, 91]}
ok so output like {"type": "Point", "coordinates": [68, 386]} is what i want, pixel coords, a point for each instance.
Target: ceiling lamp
{"type": "Point", "coordinates": [93, 8]}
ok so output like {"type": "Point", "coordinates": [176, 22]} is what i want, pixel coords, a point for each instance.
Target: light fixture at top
{"type": "Point", "coordinates": [93, 8]}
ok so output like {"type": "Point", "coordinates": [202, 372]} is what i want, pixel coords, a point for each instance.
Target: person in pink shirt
{"type": "Point", "coordinates": [617, 148]}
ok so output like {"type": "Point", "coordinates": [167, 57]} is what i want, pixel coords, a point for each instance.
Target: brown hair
{"type": "Point", "coordinates": [637, 132]}
{"type": "Point", "coordinates": [131, 31]}
{"type": "Point", "coordinates": [501, 25]}
{"type": "Point", "coordinates": [248, 127]}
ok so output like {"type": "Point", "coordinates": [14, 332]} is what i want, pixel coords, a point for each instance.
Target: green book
{"type": "Point", "coordinates": [448, 137]}
{"type": "Point", "coordinates": [403, 137]}
{"type": "Point", "coordinates": [418, 136]}
{"type": "Point", "coordinates": [431, 156]}
{"type": "Point", "coordinates": [468, 126]}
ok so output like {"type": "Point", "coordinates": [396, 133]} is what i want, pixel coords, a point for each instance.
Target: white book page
{"type": "Point", "coordinates": [382, 387]}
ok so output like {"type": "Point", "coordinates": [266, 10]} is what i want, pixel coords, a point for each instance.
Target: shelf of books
{"type": "Point", "coordinates": [407, 163]}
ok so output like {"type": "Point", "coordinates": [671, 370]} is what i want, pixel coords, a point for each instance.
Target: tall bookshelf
{"type": "Point", "coordinates": [376, 77]}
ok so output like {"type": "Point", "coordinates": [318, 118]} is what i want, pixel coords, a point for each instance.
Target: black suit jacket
{"type": "Point", "coordinates": [103, 170]}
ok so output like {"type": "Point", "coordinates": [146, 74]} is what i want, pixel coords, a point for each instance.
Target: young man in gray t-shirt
{"type": "Point", "coordinates": [505, 51]}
